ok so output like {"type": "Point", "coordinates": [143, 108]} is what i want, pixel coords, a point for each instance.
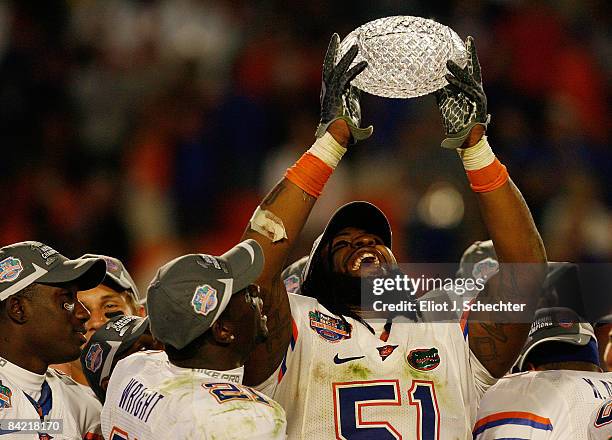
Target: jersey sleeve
{"type": "Point", "coordinates": [512, 410]}
{"type": "Point", "coordinates": [483, 380]}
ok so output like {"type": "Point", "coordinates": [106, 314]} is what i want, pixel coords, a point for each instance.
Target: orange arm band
{"type": "Point", "coordinates": [309, 173]}
{"type": "Point", "coordinates": [488, 178]}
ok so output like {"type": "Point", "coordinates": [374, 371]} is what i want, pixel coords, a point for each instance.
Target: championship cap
{"type": "Point", "coordinates": [189, 293]}
{"type": "Point", "coordinates": [28, 262]}
{"type": "Point", "coordinates": [105, 347]}
{"type": "Point", "coordinates": [117, 277]}
{"type": "Point", "coordinates": [556, 324]}
{"type": "Point", "coordinates": [358, 214]}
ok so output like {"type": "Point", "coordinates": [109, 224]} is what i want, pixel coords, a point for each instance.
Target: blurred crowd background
{"type": "Point", "coordinates": [145, 129]}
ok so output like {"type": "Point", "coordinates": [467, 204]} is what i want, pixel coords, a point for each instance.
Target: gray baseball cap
{"type": "Point", "coordinates": [555, 324]}
{"type": "Point", "coordinates": [106, 346]}
{"type": "Point", "coordinates": [189, 293]}
{"type": "Point", "coordinates": [28, 262]}
{"type": "Point", "coordinates": [117, 277]}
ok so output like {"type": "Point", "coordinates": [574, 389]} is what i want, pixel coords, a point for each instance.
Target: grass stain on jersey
{"type": "Point", "coordinates": [171, 385]}
{"type": "Point", "coordinates": [358, 370]}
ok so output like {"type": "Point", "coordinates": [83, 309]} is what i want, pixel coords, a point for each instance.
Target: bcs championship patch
{"type": "Point", "coordinates": [204, 299]}
{"type": "Point", "coordinates": [10, 268]}
{"type": "Point", "coordinates": [5, 396]}
{"type": "Point", "coordinates": [93, 359]}
{"type": "Point", "coordinates": [329, 328]}
{"type": "Point", "coordinates": [424, 359]}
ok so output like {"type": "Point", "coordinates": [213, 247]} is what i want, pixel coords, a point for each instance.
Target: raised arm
{"type": "Point", "coordinates": [280, 217]}
{"type": "Point", "coordinates": [496, 338]}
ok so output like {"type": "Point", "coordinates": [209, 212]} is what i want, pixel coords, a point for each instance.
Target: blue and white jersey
{"type": "Point", "coordinates": [551, 405]}
{"type": "Point", "coordinates": [340, 381]}
{"type": "Point", "coordinates": [69, 402]}
{"type": "Point", "coordinates": [148, 398]}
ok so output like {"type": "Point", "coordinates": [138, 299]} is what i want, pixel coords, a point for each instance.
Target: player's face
{"type": "Point", "coordinates": [60, 327]}
{"type": "Point", "coordinates": [357, 253]}
{"type": "Point", "coordinates": [103, 304]}
{"type": "Point", "coordinates": [252, 326]}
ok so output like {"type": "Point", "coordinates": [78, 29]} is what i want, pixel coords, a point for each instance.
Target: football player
{"type": "Point", "coordinates": [207, 312]}
{"type": "Point", "coordinates": [559, 386]}
{"type": "Point", "coordinates": [42, 323]}
{"type": "Point", "coordinates": [339, 375]}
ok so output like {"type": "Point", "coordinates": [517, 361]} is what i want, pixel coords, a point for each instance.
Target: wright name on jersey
{"type": "Point", "coordinates": [149, 398]}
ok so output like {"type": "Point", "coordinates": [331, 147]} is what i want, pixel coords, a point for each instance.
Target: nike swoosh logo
{"type": "Point", "coordinates": [339, 361]}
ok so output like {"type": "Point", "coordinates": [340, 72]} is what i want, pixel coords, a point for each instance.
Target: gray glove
{"type": "Point", "coordinates": [462, 103]}
{"type": "Point", "coordinates": [340, 100]}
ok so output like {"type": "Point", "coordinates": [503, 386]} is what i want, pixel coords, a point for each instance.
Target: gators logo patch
{"type": "Point", "coordinates": [329, 328]}
{"type": "Point", "coordinates": [204, 299]}
{"type": "Point", "coordinates": [10, 268]}
{"type": "Point", "coordinates": [93, 359]}
{"type": "Point", "coordinates": [5, 396]}
{"type": "Point", "coordinates": [385, 351]}
{"type": "Point", "coordinates": [424, 359]}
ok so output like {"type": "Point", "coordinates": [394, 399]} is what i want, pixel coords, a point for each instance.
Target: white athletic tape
{"type": "Point", "coordinates": [477, 156]}
{"type": "Point", "coordinates": [267, 224]}
{"type": "Point", "coordinates": [328, 150]}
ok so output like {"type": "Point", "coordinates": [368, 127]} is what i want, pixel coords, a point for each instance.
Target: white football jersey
{"type": "Point", "coordinates": [78, 411]}
{"type": "Point", "coordinates": [337, 382]}
{"type": "Point", "coordinates": [600, 425]}
{"type": "Point", "coordinates": [148, 398]}
{"type": "Point", "coordinates": [552, 405]}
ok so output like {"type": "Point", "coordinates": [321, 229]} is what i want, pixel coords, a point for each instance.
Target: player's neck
{"type": "Point", "coordinates": [574, 366]}
{"type": "Point", "coordinates": [212, 358]}
{"type": "Point", "coordinates": [22, 357]}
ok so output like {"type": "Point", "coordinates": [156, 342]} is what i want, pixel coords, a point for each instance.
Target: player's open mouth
{"type": "Point", "coordinates": [367, 258]}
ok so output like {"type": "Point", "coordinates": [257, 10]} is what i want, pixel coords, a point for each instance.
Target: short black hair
{"type": "Point", "coordinates": [543, 353]}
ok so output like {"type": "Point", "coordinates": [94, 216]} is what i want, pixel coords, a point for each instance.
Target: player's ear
{"type": "Point", "coordinates": [223, 332]}
{"type": "Point", "coordinates": [18, 309]}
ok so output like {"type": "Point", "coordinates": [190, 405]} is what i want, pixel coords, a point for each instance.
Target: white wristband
{"type": "Point", "coordinates": [477, 156]}
{"type": "Point", "coordinates": [328, 150]}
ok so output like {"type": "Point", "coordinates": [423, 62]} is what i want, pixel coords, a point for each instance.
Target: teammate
{"type": "Point", "coordinates": [42, 322]}
{"type": "Point", "coordinates": [115, 340]}
{"type": "Point", "coordinates": [207, 312]}
{"type": "Point", "coordinates": [560, 386]}
{"type": "Point", "coordinates": [117, 295]}
{"type": "Point", "coordinates": [340, 376]}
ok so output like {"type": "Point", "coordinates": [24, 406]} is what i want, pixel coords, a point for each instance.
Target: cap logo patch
{"type": "Point", "coordinates": [10, 268]}
{"type": "Point", "coordinates": [424, 359]}
{"type": "Point", "coordinates": [485, 269]}
{"type": "Point", "coordinates": [93, 359]}
{"type": "Point", "coordinates": [204, 299]}
{"type": "Point", "coordinates": [292, 284]}
{"type": "Point", "coordinates": [329, 328]}
{"type": "Point", "coordinates": [5, 396]}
